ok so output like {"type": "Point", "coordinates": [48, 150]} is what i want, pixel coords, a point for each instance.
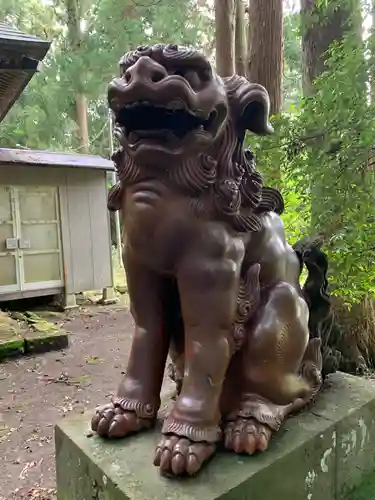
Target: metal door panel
{"type": "Point", "coordinates": [39, 237]}
{"type": "Point", "coordinates": [9, 273]}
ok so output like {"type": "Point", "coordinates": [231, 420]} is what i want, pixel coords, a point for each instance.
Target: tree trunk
{"type": "Point", "coordinates": [224, 34]}
{"type": "Point", "coordinates": [318, 36]}
{"type": "Point", "coordinates": [240, 39]}
{"type": "Point", "coordinates": [266, 48]}
{"type": "Point", "coordinates": [372, 55]}
{"type": "Point", "coordinates": [74, 15]}
{"type": "Point", "coordinates": [82, 122]}
{"type": "Point", "coordinates": [248, 36]}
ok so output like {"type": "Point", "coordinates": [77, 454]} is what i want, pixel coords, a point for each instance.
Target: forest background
{"type": "Point", "coordinates": [315, 57]}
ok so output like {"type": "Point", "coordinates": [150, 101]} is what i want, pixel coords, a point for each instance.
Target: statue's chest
{"type": "Point", "coordinates": [157, 224]}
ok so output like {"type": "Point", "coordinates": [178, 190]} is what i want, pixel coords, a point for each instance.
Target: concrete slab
{"type": "Point", "coordinates": [302, 463]}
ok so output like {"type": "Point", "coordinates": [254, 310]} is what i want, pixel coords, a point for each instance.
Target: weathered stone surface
{"type": "Point", "coordinates": [33, 344]}
{"type": "Point", "coordinates": [302, 463]}
{"type": "Point", "coordinates": [46, 343]}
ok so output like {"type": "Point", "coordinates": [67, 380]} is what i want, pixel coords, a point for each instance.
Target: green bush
{"type": "Point", "coordinates": [319, 157]}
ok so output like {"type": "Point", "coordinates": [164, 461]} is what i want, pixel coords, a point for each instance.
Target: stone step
{"type": "Point", "coordinates": [321, 454]}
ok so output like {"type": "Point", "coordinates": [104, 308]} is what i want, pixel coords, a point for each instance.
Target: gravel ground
{"type": "Point", "coordinates": [36, 392]}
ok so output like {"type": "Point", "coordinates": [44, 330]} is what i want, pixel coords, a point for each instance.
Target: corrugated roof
{"type": "Point", "coordinates": [20, 55]}
{"type": "Point", "coordinates": [14, 35]}
{"type": "Point", "coordinates": [34, 157]}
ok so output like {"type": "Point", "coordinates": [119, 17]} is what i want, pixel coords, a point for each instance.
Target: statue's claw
{"type": "Point", "coordinates": [246, 435]}
{"type": "Point", "coordinates": [177, 456]}
{"type": "Point", "coordinates": [113, 422]}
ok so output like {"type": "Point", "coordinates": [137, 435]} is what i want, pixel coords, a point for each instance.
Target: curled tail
{"type": "Point", "coordinates": [315, 291]}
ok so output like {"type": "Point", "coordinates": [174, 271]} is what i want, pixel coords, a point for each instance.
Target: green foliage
{"type": "Point", "coordinates": [336, 166]}
{"type": "Point", "coordinates": [323, 148]}
{"type": "Point", "coordinates": [44, 117]}
{"type": "Point", "coordinates": [292, 83]}
{"type": "Point", "coordinates": [275, 160]}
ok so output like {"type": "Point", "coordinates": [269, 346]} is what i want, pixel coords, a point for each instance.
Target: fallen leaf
{"type": "Point", "coordinates": [28, 466]}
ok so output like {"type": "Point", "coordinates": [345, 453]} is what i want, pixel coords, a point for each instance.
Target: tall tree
{"type": "Point", "coordinates": [240, 39]}
{"type": "Point", "coordinates": [372, 53]}
{"type": "Point", "coordinates": [225, 18]}
{"type": "Point", "coordinates": [320, 28]}
{"type": "Point", "coordinates": [74, 22]}
{"type": "Point", "coordinates": [266, 48]}
{"type": "Point", "coordinates": [337, 27]}
{"type": "Point", "coordinates": [292, 81]}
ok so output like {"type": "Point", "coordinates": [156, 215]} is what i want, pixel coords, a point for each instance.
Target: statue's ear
{"type": "Point", "coordinates": [249, 104]}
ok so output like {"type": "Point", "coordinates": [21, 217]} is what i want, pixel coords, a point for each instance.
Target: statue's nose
{"type": "Point", "coordinates": [145, 69]}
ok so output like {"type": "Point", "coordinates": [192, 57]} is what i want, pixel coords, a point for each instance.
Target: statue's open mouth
{"type": "Point", "coordinates": [142, 122]}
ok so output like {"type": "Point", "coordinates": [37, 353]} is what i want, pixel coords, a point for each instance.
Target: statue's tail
{"type": "Point", "coordinates": [316, 294]}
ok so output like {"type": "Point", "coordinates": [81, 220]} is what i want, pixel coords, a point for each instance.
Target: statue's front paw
{"type": "Point", "coordinates": [178, 456]}
{"type": "Point", "coordinates": [114, 422]}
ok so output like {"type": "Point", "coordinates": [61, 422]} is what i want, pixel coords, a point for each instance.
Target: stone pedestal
{"type": "Point", "coordinates": [321, 454]}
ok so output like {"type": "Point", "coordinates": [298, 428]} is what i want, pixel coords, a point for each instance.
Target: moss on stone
{"type": "Point", "coordinates": [45, 343]}
{"type": "Point", "coordinates": [28, 332]}
{"type": "Point", "coordinates": [11, 348]}
{"type": "Point", "coordinates": [366, 491]}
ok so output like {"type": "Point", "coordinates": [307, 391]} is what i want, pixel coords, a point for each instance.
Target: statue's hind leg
{"type": "Point", "coordinates": [278, 370]}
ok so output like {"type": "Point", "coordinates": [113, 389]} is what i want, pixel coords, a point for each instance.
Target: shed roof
{"type": "Point", "coordinates": [36, 158]}
{"type": "Point", "coordinates": [20, 56]}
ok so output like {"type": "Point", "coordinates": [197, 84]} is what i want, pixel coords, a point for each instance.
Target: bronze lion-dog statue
{"type": "Point", "coordinates": [212, 280]}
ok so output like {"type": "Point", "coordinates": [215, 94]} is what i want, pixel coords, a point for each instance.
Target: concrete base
{"type": "Point", "coordinates": [69, 301]}
{"type": "Point", "coordinates": [321, 454]}
{"type": "Point", "coordinates": [109, 296]}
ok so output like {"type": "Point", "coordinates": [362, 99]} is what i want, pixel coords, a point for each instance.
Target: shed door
{"type": "Point", "coordinates": [39, 237]}
{"type": "Point", "coordinates": [9, 271]}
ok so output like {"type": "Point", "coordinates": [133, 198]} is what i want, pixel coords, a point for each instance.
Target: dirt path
{"type": "Point", "coordinates": [36, 392]}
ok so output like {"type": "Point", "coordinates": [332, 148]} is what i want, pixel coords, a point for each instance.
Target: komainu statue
{"type": "Point", "coordinates": [211, 279]}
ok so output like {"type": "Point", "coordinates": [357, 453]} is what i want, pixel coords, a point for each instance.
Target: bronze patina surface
{"type": "Point", "coordinates": [212, 280]}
